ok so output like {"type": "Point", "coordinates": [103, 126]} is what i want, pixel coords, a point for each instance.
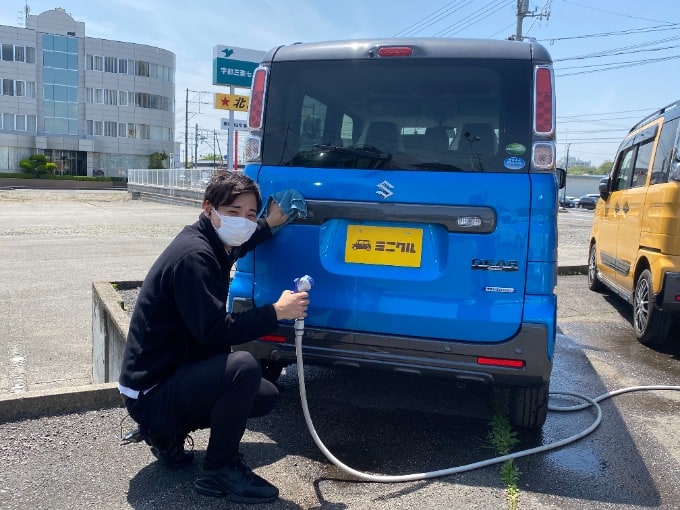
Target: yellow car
{"type": "Point", "coordinates": [635, 238]}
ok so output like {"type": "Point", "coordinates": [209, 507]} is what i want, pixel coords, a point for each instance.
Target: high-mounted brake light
{"type": "Point", "coordinates": [256, 108]}
{"type": "Point", "coordinates": [544, 101]}
{"type": "Point", "coordinates": [395, 51]}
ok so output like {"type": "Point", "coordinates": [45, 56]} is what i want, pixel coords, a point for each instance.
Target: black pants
{"type": "Point", "coordinates": [219, 393]}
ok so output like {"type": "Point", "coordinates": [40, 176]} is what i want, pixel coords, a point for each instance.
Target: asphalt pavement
{"type": "Point", "coordinates": [53, 245]}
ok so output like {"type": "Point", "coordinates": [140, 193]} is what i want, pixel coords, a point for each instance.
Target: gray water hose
{"type": "Point", "coordinates": [588, 402]}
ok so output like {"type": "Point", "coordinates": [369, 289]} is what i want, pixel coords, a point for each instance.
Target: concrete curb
{"type": "Point", "coordinates": [38, 404]}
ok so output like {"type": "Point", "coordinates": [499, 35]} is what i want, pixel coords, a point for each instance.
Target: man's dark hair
{"type": "Point", "coordinates": [225, 186]}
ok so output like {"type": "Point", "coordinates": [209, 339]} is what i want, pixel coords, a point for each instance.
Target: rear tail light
{"type": "Point", "coordinates": [256, 108]}
{"type": "Point", "coordinates": [543, 150]}
{"type": "Point", "coordinates": [544, 101]}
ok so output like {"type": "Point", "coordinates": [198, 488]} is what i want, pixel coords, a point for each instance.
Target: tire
{"type": "Point", "coordinates": [271, 370]}
{"type": "Point", "coordinates": [593, 283]}
{"type": "Point", "coordinates": [652, 326]}
{"type": "Point", "coordinates": [529, 407]}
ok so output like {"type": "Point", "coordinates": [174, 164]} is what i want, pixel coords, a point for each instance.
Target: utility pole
{"type": "Point", "coordinates": [523, 12]}
{"type": "Point", "coordinates": [196, 147]}
{"type": "Point", "coordinates": [186, 134]}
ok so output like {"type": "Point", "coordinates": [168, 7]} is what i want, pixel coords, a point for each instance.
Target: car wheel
{"type": "Point", "coordinates": [594, 283]}
{"type": "Point", "coordinates": [651, 325]}
{"type": "Point", "coordinates": [271, 370]}
{"type": "Point", "coordinates": [529, 407]}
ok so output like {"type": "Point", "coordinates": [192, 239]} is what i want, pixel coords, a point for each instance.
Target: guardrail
{"type": "Point", "coordinates": [182, 178]}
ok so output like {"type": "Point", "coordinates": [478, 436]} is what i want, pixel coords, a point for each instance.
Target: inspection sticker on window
{"type": "Point", "coordinates": [384, 246]}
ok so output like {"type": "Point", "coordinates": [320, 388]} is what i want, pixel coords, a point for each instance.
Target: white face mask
{"type": "Point", "coordinates": [235, 230]}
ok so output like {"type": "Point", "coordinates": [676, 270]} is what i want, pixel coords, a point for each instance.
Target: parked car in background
{"type": "Point", "coordinates": [588, 201]}
{"type": "Point", "coordinates": [635, 239]}
{"type": "Point", "coordinates": [568, 202]}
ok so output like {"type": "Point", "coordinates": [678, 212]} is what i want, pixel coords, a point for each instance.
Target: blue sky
{"type": "Point", "coordinates": [595, 107]}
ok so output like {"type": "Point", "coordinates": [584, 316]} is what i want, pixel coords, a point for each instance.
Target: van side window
{"type": "Point", "coordinates": [664, 150]}
{"type": "Point", "coordinates": [624, 170]}
{"type": "Point", "coordinates": [644, 156]}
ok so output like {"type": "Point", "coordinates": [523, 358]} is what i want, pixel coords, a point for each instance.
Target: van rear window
{"type": "Point", "coordinates": [400, 114]}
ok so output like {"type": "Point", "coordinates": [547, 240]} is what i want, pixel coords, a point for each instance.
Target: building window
{"type": "Point", "coordinates": [122, 66]}
{"type": "Point", "coordinates": [122, 129]}
{"type": "Point", "coordinates": [141, 68]}
{"type": "Point", "coordinates": [8, 121]}
{"type": "Point", "coordinates": [111, 64]}
{"type": "Point", "coordinates": [122, 97]}
{"type": "Point", "coordinates": [19, 88]}
{"type": "Point", "coordinates": [19, 53]}
{"type": "Point", "coordinates": [30, 55]}
{"type": "Point", "coordinates": [30, 89]}
{"type": "Point", "coordinates": [110, 97]}
{"type": "Point", "coordinates": [110, 128]}
{"type": "Point", "coordinates": [142, 99]}
{"type": "Point", "coordinates": [95, 63]}
{"type": "Point", "coordinates": [7, 87]}
{"type": "Point", "coordinates": [60, 83]}
{"type": "Point", "coordinates": [8, 52]}
{"type": "Point", "coordinates": [94, 127]}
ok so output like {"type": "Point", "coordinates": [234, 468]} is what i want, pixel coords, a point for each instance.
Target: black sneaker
{"type": "Point", "coordinates": [172, 453]}
{"type": "Point", "coordinates": [237, 483]}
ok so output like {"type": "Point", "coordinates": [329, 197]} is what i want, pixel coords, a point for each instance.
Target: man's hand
{"type": "Point", "coordinates": [292, 305]}
{"type": "Point", "coordinates": [275, 216]}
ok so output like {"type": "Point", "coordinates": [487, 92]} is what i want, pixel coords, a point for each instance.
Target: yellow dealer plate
{"type": "Point", "coordinates": [384, 246]}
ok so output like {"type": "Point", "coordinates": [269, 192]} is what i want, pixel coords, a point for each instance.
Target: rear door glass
{"type": "Point", "coordinates": [401, 114]}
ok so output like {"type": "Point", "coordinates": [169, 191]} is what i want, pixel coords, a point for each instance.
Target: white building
{"type": "Point", "coordinates": [92, 106]}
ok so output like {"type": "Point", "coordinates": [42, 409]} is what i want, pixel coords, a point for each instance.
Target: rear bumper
{"type": "Point", "coordinates": [425, 357]}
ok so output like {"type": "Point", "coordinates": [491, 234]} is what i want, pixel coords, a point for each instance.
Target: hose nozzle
{"type": "Point", "coordinates": [303, 284]}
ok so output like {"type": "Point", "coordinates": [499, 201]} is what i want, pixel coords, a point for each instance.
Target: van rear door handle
{"type": "Point", "coordinates": [625, 208]}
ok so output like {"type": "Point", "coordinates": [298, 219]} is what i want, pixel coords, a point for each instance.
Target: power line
{"type": "Point", "coordinates": [612, 12]}
{"type": "Point", "coordinates": [482, 13]}
{"type": "Point", "coordinates": [433, 18]}
{"type": "Point", "coordinates": [615, 65]}
{"type": "Point", "coordinates": [655, 28]}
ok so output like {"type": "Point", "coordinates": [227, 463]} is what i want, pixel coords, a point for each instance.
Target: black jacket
{"type": "Point", "coordinates": [180, 315]}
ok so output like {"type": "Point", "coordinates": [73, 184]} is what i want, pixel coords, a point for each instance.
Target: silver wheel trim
{"type": "Point", "coordinates": [641, 305]}
{"type": "Point", "coordinates": [592, 266]}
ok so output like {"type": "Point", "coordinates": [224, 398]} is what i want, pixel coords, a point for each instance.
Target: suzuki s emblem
{"type": "Point", "coordinates": [385, 190]}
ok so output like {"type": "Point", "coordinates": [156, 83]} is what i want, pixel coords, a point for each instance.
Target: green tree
{"type": "Point", "coordinates": [581, 170]}
{"type": "Point", "coordinates": [156, 160]}
{"type": "Point", "coordinates": [35, 164]}
{"type": "Point", "coordinates": [605, 167]}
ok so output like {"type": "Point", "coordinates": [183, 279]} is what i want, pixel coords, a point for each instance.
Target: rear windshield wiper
{"type": "Point", "coordinates": [436, 165]}
{"type": "Point", "coordinates": [357, 151]}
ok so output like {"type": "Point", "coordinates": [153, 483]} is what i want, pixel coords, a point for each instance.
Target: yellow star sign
{"type": "Point", "coordinates": [231, 102]}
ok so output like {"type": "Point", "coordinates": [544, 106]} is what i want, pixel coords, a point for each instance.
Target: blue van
{"type": "Point", "coordinates": [428, 168]}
